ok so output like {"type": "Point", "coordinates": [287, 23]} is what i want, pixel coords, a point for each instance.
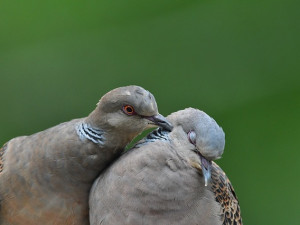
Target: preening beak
{"type": "Point", "coordinates": [160, 121]}
{"type": "Point", "coordinates": [206, 169]}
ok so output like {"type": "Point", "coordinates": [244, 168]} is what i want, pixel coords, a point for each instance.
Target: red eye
{"type": "Point", "coordinates": [129, 110]}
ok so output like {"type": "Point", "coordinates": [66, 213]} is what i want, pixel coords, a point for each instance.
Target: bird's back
{"type": "Point", "coordinates": [30, 187]}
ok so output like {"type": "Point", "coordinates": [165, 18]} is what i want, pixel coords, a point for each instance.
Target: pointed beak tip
{"type": "Point", "coordinates": [206, 169]}
{"type": "Point", "coordinates": [161, 121]}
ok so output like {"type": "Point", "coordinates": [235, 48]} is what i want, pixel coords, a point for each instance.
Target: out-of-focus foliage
{"type": "Point", "coordinates": [236, 60]}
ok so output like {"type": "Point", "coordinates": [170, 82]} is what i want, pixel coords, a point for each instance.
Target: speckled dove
{"type": "Point", "coordinates": [45, 178]}
{"type": "Point", "coordinates": [162, 179]}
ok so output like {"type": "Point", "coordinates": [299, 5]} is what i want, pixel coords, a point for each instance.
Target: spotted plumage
{"type": "Point", "coordinates": [225, 195]}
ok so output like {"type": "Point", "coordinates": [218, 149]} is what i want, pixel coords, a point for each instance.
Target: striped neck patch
{"type": "Point", "coordinates": [85, 131]}
{"type": "Point", "coordinates": [155, 135]}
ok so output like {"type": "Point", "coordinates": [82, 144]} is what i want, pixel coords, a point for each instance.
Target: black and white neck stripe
{"type": "Point", "coordinates": [155, 135]}
{"type": "Point", "coordinates": [158, 134]}
{"type": "Point", "coordinates": [85, 131]}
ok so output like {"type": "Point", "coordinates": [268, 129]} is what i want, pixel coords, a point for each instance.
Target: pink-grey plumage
{"type": "Point", "coordinates": [160, 180]}
{"type": "Point", "coordinates": [45, 178]}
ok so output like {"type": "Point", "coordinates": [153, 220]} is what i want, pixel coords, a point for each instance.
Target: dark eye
{"type": "Point", "coordinates": [129, 110]}
{"type": "Point", "coordinates": [192, 137]}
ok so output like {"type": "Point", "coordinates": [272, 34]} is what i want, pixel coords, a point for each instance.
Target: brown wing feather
{"type": "Point", "coordinates": [2, 150]}
{"type": "Point", "coordinates": [226, 196]}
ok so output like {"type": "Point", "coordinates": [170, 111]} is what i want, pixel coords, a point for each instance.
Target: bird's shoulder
{"type": "Point", "coordinates": [226, 197]}
{"type": "Point", "coordinates": [14, 145]}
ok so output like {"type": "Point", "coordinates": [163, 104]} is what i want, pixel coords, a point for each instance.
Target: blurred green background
{"type": "Point", "coordinates": [236, 60]}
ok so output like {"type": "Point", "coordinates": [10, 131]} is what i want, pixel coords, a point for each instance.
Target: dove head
{"type": "Point", "coordinates": [129, 109]}
{"type": "Point", "coordinates": [201, 130]}
{"type": "Point", "coordinates": [202, 134]}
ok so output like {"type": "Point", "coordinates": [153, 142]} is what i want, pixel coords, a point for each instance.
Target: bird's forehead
{"type": "Point", "coordinates": [142, 100]}
{"type": "Point", "coordinates": [186, 118]}
{"type": "Point", "coordinates": [128, 93]}
{"type": "Point", "coordinates": [193, 119]}
{"type": "Point", "coordinates": [145, 103]}
{"type": "Point", "coordinates": [210, 136]}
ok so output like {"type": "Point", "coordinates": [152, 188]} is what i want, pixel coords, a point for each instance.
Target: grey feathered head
{"type": "Point", "coordinates": [204, 133]}
{"type": "Point", "coordinates": [142, 100]}
{"type": "Point", "coordinates": [128, 109]}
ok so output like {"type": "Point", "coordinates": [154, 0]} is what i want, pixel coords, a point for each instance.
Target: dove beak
{"type": "Point", "coordinates": [161, 121]}
{"type": "Point", "coordinates": [206, 168]}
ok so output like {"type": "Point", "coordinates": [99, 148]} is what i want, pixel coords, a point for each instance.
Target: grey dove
{"type": "Point", "coordinates": [45, 178]}
{"type": "Point", "coordinates": [163, 178]}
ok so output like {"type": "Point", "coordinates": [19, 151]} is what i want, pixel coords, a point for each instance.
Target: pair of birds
{"type": "Point", "coordinates": [65, 175]}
